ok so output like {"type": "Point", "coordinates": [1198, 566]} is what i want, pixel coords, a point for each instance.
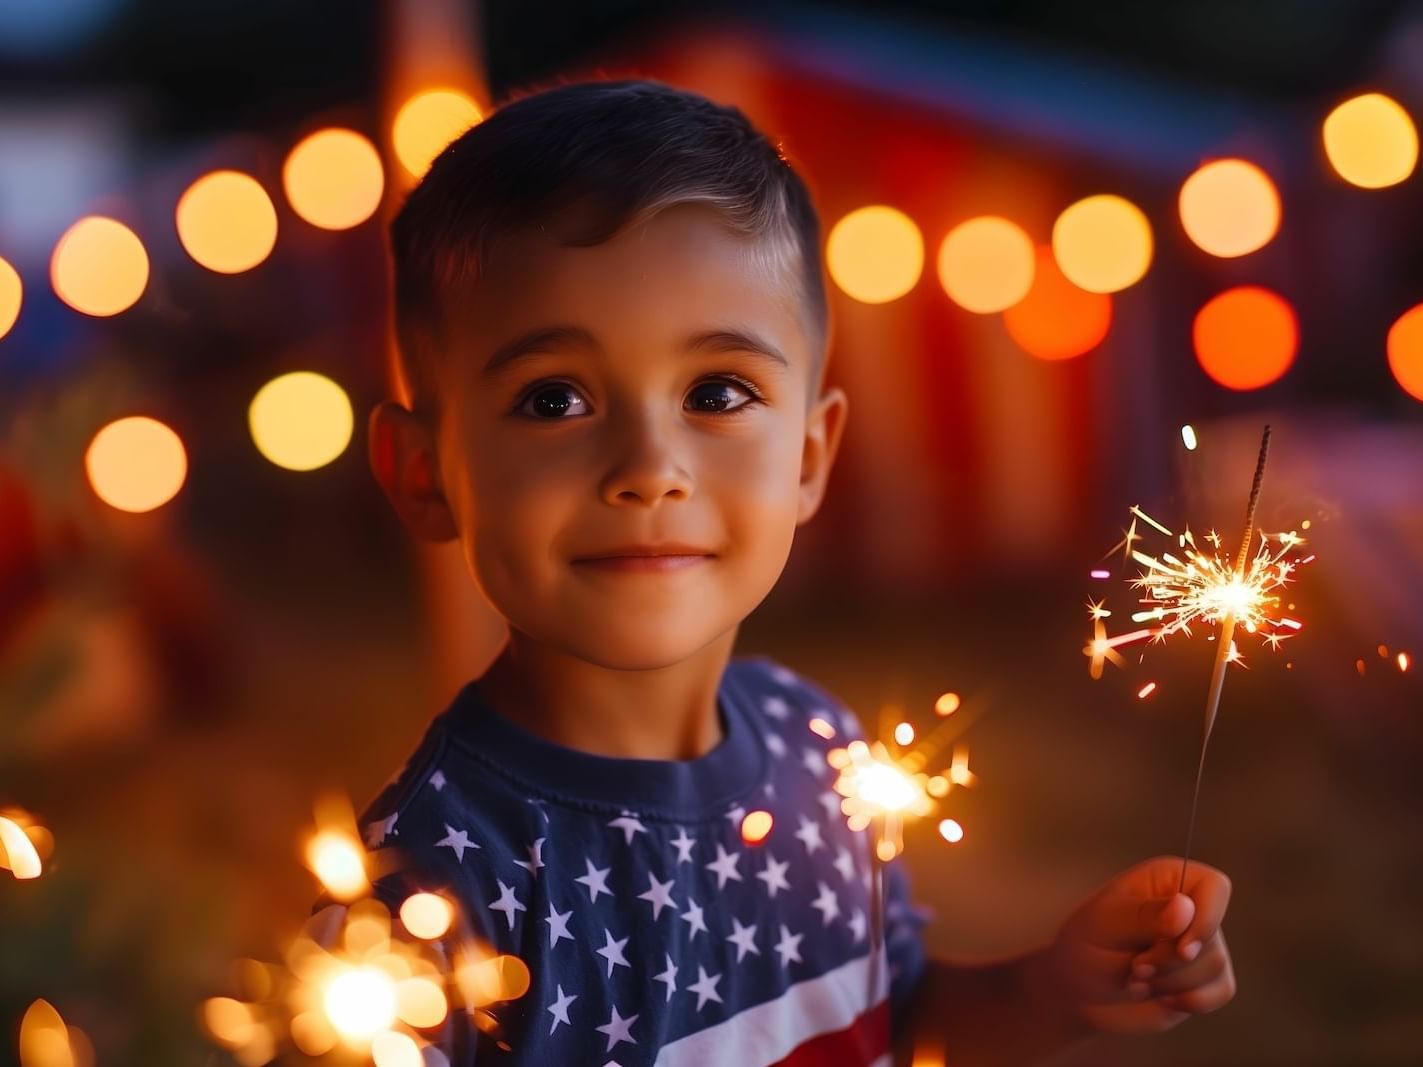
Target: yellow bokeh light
{"type": "Point", "coordinates": [947, 704]}
{"type": "Point", "coordinates": [99, 266]}
{"type": "Point", "coordinates": [1370, 141]}
{"type": "Point", "coordinates": [17, 850]}
{"type": "Point", "coordinates": [986, 264]}
{"type": "Point", "coordinates": [394, 1049]}
{"type": "Point", "coordinates": [426, 915]}
{"type": "Point", "coordinates": [229, 1021]}
{"type": "Point", "coordinates": [875, 254]}
{"type": "Point", "coordinates": [429, 121]}
{"type": "Point", "coordinates": [420, 1002]}
{"type": "Point", "coordinates": [360, 1002]}
{"type": "Point", "coordinates": [1230, 207]}
{"type": "Point", "coordinates": [339, 862]}
{"type": "Point", "coordinates": [136, 464]}
{"type": "Point", "coordinates": [756, 826]}
{"type": "Point", "coordinates": [485, 979]}
{"type": "Point", "coordinates": [904, 733]}
{"type": "Point", "coordinates": [44, 1039]}
{"type": "Point", "coordinates": [1102, 244]}
{"type": "Point", "coordinates": [11, 295]}
{"type": "Point", "coordinates": [301, 420]}
{"type": "Point", "coordinates": [333, 179]}
{"type": "Point", "coordinates": [226, 221]}
{"type": "Point", "coordinates": [951, 831]}
{"type": "Point", "coordinates": [312, 1033]}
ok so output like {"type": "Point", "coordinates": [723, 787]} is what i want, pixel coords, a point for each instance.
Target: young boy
{"type": "Point", "coordinates": [613, 329]}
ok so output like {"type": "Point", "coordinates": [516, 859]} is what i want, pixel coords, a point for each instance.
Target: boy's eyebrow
{"type": "Point", "coordinates": [720, 339]}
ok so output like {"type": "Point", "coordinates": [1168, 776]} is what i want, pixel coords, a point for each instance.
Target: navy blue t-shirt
{"type": "Point", "coordinates": [652, 932]}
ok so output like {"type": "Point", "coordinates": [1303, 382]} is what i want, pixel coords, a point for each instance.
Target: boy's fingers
{"type": "Point", "coordinates": [1210, 890]}
{"type": "Point", "coordinates": [1165, 957]}
{"type": "Point", "coordinates": [1122, 921]}
{"type": "Point", "coordinates": [1205, 969]}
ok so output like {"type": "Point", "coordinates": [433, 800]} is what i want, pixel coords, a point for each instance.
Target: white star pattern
{"type": "Point", "coordinates": [743, 937]}
{"type": "Point", "coordinates": [705, 987]}
{"type": "Point", "coordinates": [669, 976]}
{"type": "Point", "coordinates": [683, 844]}
{"type": "Point", "coordinates": [507, 903]}
{"type": "Point", "coordinates": [438, 780]}
{"type": "Point", "coordinates": [789, 946]}
{"type": "Point", "coordinates": [784, 675]}
{"type": "Point", "coordinates": [827, 903]}
{"type": "Point", "coordinates": [809, 834]}
{"type": "Point", "coordinates": [735, 815]}
{"type": "Point", "coordinates": [535, 860]}
{"type": "Point", "coordinates": [769, 789]}
{"type": "Point", "coordinates": [857, 924]}
{"type": "Point", "coordinates": [776, 707]}
{"type": "Point", "coordinates": [659, 893]}
{"type": "Point", "coordinates": [776, 744]}
{"type": "Point", "coordinates": [559, 1009]}
{"type": "Point", "coordinates": [557, 926]}
{"type": "Point", "coordinates": [378, 831]}
{"type": "Point", "coordinates": [814, 761]}
{"type": "Point", "coordinates": [629, 824]}
{"type": "Point", "coordinates": [693, 918]}
{"type": "Point", "coordinates": [596, 880]}
{"type": "Point", "coordinates": [612, 951]}
{"type": "Point", "coordinates": [830, 801]}
{"type": "Point", "coordinates": [457, 840]}
{"type": "Point", "coordinates": [617, 1030]}
{"type": "Point", "coordinates": [845, 863]}
{"type": "Point", "coordinates": [725, 866]}
{"type": "Point", "coordinates": [774, 875]}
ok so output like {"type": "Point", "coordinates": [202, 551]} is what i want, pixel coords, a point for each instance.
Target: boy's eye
{"type": "Point", "coordinates": [550, 401]}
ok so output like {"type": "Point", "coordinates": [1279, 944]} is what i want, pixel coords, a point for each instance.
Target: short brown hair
{"type": "Point", "coordinates": [626, 149]}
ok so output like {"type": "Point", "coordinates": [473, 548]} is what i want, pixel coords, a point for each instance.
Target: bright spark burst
{"type": "Point", "coordinates": [1197, 585]}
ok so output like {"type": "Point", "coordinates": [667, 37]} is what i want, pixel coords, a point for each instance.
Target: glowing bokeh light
{"type": "Point", "coordinates": [339, 862]}
{"type": "Point", "coordinates": [301, 421]}
{"type": "Point", "coordinates": [44, 1039]}
{"type": "Point", "coordinates": [394, 1049]}
{"type": "Point", "coordinates": [11, 295]}
{"type": "Point", "coordinates": [429, 121]}
{"type": "Point", "coordinates": [99, 266]}
{"type": "Point", "coordinates": [136, 464]}
{"type": "Point", "coordinates": [226, 222]}
{"type": "Point", "coordinates": [875, 254]}
{"type": "Point", "coordinates": [1405, 351]}
{"type": "Point", "coordinates": [904, 734]}
{"type": "Point", "coordinates": [487, 979]}
{"type": "Point", "coordinates": [1188, 437]}
{"type": "Point", "coordinates": [951, 831]}
{"type": "Point", "coordinates": [229, 1021]}
{"type": "Point", "coordinates": [1230, 208]}
{"type": "Point", "coordinates": [17, 851]}
{"type": "Point", "coordinates": [986, 264]}
{"type": "Point", "coordinates": [821, 728]}
{"type": "Point", "coordinates": [1102, 244]}
{"type": "Point", "coordinates": [312, 1033]}
{"type": "Point", "coordinates": [333, 178]}
{"type": "Point", "coordinates": [1246, 337]}
{"type": "Point", "coordinates": [420, 1002]}
{"type": "Point", "coordinates": [1057, 319]}
{"type": "Point", "coordinates": [947, 704]}
{"type": "Point", "coordinates": [756, 826]}
{"type": "Point", "coordinates": [1370, 141]}
{"type": "Point", "coordinates": [360, 1002]}
{"type": "Point", "coordinates": [427, 915]}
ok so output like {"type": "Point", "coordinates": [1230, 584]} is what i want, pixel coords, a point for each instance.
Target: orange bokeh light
{"type": "Point", "coordinates": [1405, 351]}
{"type": "Point", "coordinates": [1057, 320]}
{"type": "Point", "coordinates": [1246, 337]}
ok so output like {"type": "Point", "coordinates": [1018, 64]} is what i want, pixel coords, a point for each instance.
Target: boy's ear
{"type": "Point", "coordinates": [823, 428]}
{"type": "Point", "coordinates": [406, 464]}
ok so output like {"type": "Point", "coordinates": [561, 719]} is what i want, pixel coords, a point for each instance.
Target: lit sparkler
{"type": "Point", "coordinates": [1197, 585]}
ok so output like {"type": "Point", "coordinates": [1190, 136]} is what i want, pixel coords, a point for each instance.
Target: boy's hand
{"type": "Point", "coordinates": [1125, 959]}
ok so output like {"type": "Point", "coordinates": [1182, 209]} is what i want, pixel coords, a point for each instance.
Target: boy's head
{"type": "Point", "coordinates": [612, 330]}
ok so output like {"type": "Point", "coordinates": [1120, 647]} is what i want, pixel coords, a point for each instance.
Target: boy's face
{"type": "Point", "coordinates": [577, 448]}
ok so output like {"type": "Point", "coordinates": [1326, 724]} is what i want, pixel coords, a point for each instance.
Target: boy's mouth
{"type": "Point", "coordinates": [658, 558]}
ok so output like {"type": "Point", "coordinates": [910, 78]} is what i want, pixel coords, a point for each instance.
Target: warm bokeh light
{"type": "Point", "coordinates": [427, 915]}
{"type": "Point", "coordinates": [226, 221]}
{"type": "Point", "coordinates": [1146, 690]}
{"type": "Point", "coordinates": [756, 826]}
{"type": "Point", "coordinates": [393, 1049]}
{"type": "Point", "coordinates": [875, 254]}
{"type": "Point", "coordinates": [1405, 351]}
{"type": "Point", "coordinates": [11, 296]}
{"type": "Point", "coordinates": [486, 980]}
{"type": "Point", "coordinates": [228, 1021]}
{"type": "Point", "coordinates": [136, 464]}
{"type": "Point", "coordinates": [312, 1033]}
{"type": "Point", "coordinates": [986, 264]}
{"type": "Point", "coordinates": [301, 421]}
{"type": "Point", "coordinates": [947, 704]}
{"type": "Point", "coordinates": [821, 728]}
{"type": "Point", "coordinates": [17, 850]}
{"type": "Point", "coordinates": [904, 734]}
{"type": "Point", "coordinates": [1246, 337]}
{"type": "Point", "coordinates": [360, 1002]}
{"type": "Point", "coordinates": [420, 1002]}
{"type": "Point", "coordinates": [1057, 319]}
{"type": "Point", "coordinates": [333, 178]}
{"type": "Point", "coordinates": [951, 831]}
{"type": "Point", "coordinates": [1370, 141]}
{"type": "Point", "coordinates": [1188, 437]}
{"type": "Point", "coordinates": [1403, 661]}
{"type": "Point", "coordinates": [1102, 244]}
{"type": "Point", "coordinates": [44, 1039]}
{"type": "Point", "coordinates": [429, 121]}
{"type": "Point", "coordinates": [99, 266]}
{"type": "Point", "coordinates": [1230, 207]}
{"type": "Point", "coordinates": [339, 862]}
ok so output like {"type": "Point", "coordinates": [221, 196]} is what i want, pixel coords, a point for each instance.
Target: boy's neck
{"type": "Point", "coordinates": [668, 713]}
